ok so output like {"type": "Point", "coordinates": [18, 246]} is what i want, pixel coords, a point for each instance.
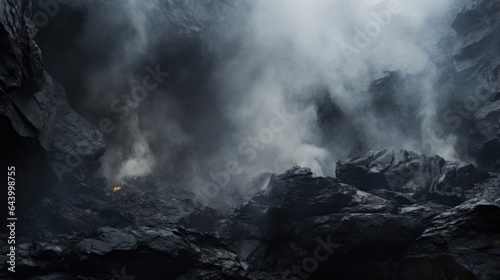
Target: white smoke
{"type": "Point", "coordinates": [274, 56]}
{"type": "Point", "coordinates": [344, 46]}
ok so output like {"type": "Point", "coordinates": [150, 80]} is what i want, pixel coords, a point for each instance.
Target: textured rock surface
{"type": "Point", "coordinates": [34, 104]}
{"type": "Point", "coordinates": [407, 172]}
{"type": "Point", "coordinates": [108, 252]}
{"type": "Point", "coordinates": [476, 70]}
{"type": "Point", "coordinates": [64, 134]}
{"type": "Point", "coordinates": [471, 233]}
{"type": "Point", "coordinates": [486, 137]}
{"type": "Point", "coordinates": [21, 58]}
{"type": "Point", "coordinates": [297, 223]}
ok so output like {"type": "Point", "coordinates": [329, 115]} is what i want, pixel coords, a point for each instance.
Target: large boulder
{"type": "Point", "coordinates": [408, 172]}
{"type": "Point", "coordinates": [461, 243]}
{"type": "Point", "coordinates": [281, 226]}
{"type": "Point", "coordinates": [73, 144]}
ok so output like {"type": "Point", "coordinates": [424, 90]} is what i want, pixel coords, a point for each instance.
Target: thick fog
{"type": "Point", "coordinates": [260, 86]}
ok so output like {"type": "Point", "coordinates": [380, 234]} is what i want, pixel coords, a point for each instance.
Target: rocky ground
{"type": "Point", "coordinates": [421, 218]}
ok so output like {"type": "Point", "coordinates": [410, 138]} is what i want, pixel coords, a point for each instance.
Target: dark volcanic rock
{"type": "Point", "coordinates": [84, 207]}
{"type": "Point", "coordinates": [299, 195]}
{"type": "Point", "coordinates": [21, 59]}
{"type": "Point", "coordinates": [476, 78]}
{"type": "Point", "coordinates": [35, 106]}
{"type": "Point", "coordinates": [141, 253]}
{"type": "Point", "coordinates": [462, 243]}
{"type": "Point", "coordinates": [407, 172]}
{"type": "Point", "coordinates": [282, 225]}
{"type": "Point", "coordinates": [476, 26]}
{"type": "Point", "coordinates": [348, 234]}
{"type": "Point", "coordinates": [152, 201]}
{"type": "Point", "coordinates": [55, 151]}
{"type": "Point", "coordinates": [74, 146]}
{"type": "Point", "coordinates": [486, 135]}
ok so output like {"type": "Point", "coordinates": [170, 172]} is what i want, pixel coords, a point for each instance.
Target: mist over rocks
{"type": "Point", "coordinates": [393, 94]}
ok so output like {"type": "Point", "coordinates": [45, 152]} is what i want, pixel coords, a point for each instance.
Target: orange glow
{"type": "Point", "coordinates": [117, 189]}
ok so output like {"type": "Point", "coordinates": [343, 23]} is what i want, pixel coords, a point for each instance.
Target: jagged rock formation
{"type": "Point", "coordinates": [158, 253]}
{"type": "Point", "coordinates": [298, 225]}
{"type": "Point", "coordinates": [21, 58]}
{"type": "Point", "coordinates": [430, 178]}
{"type": "Point", "coordinates": [476, 66]}
{"type": "Point", "coordinates": [34, 105]}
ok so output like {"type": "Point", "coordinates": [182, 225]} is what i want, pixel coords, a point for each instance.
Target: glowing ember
{"type": "Point", "coordinates": [117, 189]}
